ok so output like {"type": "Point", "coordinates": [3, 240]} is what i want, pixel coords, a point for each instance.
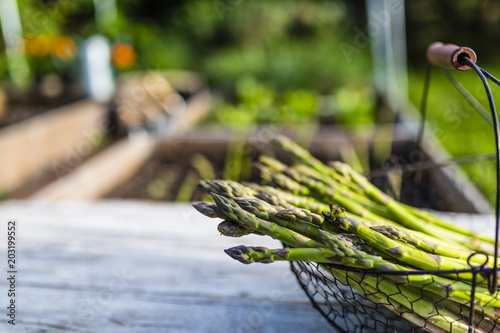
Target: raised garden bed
{"type": "Point", "coordinates": [171, 169]}
{"type": "Point", "coordinates": [146, 118]}
{"type": "Point", "coordinates": [49, 144]}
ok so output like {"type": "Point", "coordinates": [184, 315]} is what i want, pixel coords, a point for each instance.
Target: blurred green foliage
{"type": "Point", "coordinates": [457, 125]}
{"type": "Point", "coordinates": [291, 43]}
{"type": "Point", "coordinates": [281, 61]}
{"type": "Point", "coordinates": [258, 103]}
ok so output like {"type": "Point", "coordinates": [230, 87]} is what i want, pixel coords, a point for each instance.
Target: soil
{"type": "Point", "coordinates": [171, 169]}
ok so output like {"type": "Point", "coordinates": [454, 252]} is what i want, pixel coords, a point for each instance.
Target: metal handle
{"type": "Point", "coordinates": [448, 55]}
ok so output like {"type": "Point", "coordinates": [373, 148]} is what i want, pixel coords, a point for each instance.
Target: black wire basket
{"type": "Point", "coordinates": [364, 300]}
{"type": "Point", "coordinates": [354, 300]}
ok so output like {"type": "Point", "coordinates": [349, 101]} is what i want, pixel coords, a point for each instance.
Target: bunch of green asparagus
{"type": "Point", "coordinates": [329, 214]}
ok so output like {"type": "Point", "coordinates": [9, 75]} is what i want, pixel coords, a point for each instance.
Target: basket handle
{"type": "Point", "coordinates": [449, 55]}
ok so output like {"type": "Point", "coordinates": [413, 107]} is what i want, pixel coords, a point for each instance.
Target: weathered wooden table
{"type": "Point", "coordinates": [123, 266]}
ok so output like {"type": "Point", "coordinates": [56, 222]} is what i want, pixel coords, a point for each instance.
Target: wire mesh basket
{"type": "Point", "coordinates": [354, 300]}
{"type": "Point", "coordinates": [367, 300]}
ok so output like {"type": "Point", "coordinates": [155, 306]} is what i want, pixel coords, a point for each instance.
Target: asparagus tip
{"type": "Point", "coordinates": [206, 208]}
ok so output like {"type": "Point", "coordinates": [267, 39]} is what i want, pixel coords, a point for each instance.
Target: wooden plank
{"type": "Point", "coordinates": [126, 266]}
{"type": "Point", "coordinates": [144, 267]}
{"type": "Point", "coordinates": [64, 136]}
{"type": "Point", "coordinates": [101, 173]}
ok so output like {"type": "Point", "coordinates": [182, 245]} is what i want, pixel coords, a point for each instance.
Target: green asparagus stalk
{"type": "Point", "coordinates": [305, 157]}
{"type": "Point", "coordinates": [208, 209]}
{"type": "Point", "coordinates": [281, 198]}
{"type": "Point", "coordinates": [405, 217]}
{"type": "Point", "coordinates": [341, 194]}
{"type": "Point", "coordinates": [251, 254]}
{"type": "Point", "coordinates": [330, 195]}
{"type": "Point", "coordinates": [345, 175]}
{"type": "Point", "coordinates": [430, 218]}
{"type": "Point", "coordinates": [290, 214]}
{"type": "Point", "coordinates": [230, 188]}
{"type": "Point", "coordinates": [281, 180]}
{"type": "Point", "coordinates": [226, 188]}
{"type": "Point", "coordinates": [399, 251]}
{"type": "Point", "coordinates": [327, 194]}
{"type": "Point", "coordinates": [457, 291]}
{"type": "Point", "coordinates": [427, 245]}
{"type": "Point", "coordinates": [232, 229]}
{"type": "Point", "coordinates": [402, 301]}
{"type": "Point", "coordinates": [264, 210]}
{"type": "Point", "coordinates": [344, 190]}
{"type": "Point", "coordinates": [414, 300]}
{"type": "Point", "coordinates": [228, 227]}
{"type": "Point", "coordinates": [369, 189]}
{"type": "Point", "coordinates": [343, 260]}
{"type": "Point", "coordinates": [232, 211]}
{"type": "Point", "coordinates": [444, 288]}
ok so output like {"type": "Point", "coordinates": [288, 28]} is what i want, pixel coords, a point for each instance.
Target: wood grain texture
{"type": "Point", "coordinates": [112, 166]}
{"type": "Point", "coordinates": [55, 140]}
{"type": "Point", "coordinates": [144, 267]}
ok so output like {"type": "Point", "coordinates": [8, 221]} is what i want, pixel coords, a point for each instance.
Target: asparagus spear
{"type": "Point", "coordinates": [281, 180]}
{"type": "Point", "coordinates": [427, 216]}
{"type": "Point", "coordinates": [330, 195]}
{"type": "Point", "coordinates": [303, 155]}
{"type": "Point", "coordinates": [444, 288]}
{"type": "Point", "coordinates": [399, 251]}
{"type": "Point", "coordinates": [457, 291]}
{"type": "Point", "coordinates": [208, 209]}
{"type": "Point", "coordinates": [232, 229]}
{"type": "Point", "coordinates": [234, 212]}
{"type": "Point", "coordinates": [271, 195]}
{"type": "Point", "coordinates": [252, 254]}
{"type": "Point", "coordinates": [405, 217]}
{"type": "Point", "coordinates": [345, 175]}
{"type": "Point", "coordinates": [343, 190]}
{"type": "Point", "coordinates": [281, 198]}
{"type": "Point", "coordinates": [326, 193]}
{"type": "Point", "coordinates": [226, 188]}
{"type": "Point", "coordinates": [228, 227]}
{"type": "Point", "coordinates": [408, 303]}
{"type": "Point", "coordinates": [378, 195]}
{"type": "Point", "coordinates": [264, 210]}
{"type": "Point", "coordinates": [340, 259]}
{"type": "Point", "coordinates": [427, 245]}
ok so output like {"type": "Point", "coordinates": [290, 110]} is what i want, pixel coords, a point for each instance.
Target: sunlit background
{"type": "Point", "coordinates": [145, 86]}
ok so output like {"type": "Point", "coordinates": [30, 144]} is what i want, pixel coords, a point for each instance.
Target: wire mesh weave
{"type": "Point", "coordinates": [355, 300]}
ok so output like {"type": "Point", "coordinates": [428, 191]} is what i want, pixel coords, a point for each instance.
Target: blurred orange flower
{"type": "Point", "coordinates": [123, 55]}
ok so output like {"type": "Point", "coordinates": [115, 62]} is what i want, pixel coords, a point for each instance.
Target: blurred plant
{"type": "Point", "coordinates": [188, 186]}
{"type": "Point", "coordinates": [235, 165]}
{"type": "Point", "coordinates": [354, 104]}
{"type": "Point", "coordinates": [291, 43]}
{"type": "Point", "coordinates": [257, 103]}
{"type": "Point", "coordinates": [203, 166]}
{"type": "Point", "coordinates": [457, 125]}
{"type": "Point", "coordinates": [161, 186]}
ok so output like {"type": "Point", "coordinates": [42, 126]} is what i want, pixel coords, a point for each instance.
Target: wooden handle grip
{"type": "Point", "coordinates": [448, 55]}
